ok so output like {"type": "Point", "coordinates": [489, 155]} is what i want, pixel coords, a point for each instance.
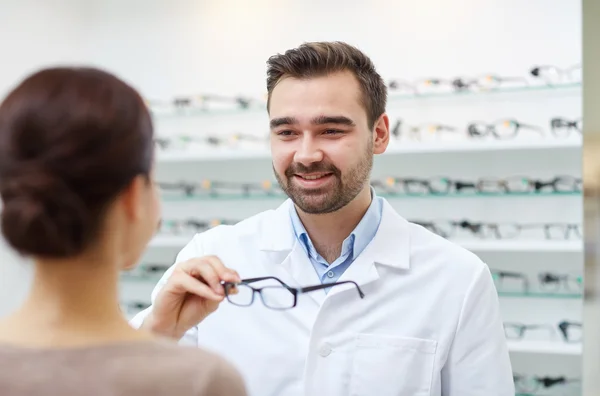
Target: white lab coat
{"type": "Point", "coordinates": [429, 323]}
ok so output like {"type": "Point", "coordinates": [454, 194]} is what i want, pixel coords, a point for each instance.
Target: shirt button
{"type": "Point", "coordinates": [325, 350]}
{"type": "Point", "coordinates": [330, 274]}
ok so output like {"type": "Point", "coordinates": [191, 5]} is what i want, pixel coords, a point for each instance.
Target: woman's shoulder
{"type": "Point", "coordinates": [206, 371]}
{"type": "Point", "coordinates": [158, 367]}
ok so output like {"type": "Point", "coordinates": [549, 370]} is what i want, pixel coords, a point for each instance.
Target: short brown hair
{"type": "Point", "coordinates": [71, 139]}
{"type": "Point", "coordinates": [316, 59]}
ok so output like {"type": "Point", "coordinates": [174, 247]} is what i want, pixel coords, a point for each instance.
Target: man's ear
{"type": "Point", "coordinates": [381, 134]}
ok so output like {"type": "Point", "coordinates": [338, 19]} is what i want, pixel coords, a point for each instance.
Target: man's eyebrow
{"type": "Point", "coordinates": [340, 120]}
{"type": "Point", "coordinates": [275, 122]}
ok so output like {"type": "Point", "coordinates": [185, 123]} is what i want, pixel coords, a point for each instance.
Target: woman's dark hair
{"type": "Point", "coordinates": [71, 140]}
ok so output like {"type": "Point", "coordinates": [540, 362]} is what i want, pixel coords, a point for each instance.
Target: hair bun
{"type": "Point", "coordinates": [41, 215]}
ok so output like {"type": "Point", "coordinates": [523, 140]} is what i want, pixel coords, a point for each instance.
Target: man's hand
{"type": "Point", "coordinates": [192, 292]}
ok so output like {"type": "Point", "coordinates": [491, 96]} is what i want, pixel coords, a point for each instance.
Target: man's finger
{"type": "Point", "coordinates": [224, 273]}
{"type": "Point", "coordinates": [194, 286]}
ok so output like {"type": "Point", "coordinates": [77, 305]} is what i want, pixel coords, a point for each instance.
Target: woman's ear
{"type": "Point", "coordinates": [132, 198]}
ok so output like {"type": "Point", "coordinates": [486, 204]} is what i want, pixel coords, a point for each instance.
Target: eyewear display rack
{"type": "Point", "coordinates": [520, 211]}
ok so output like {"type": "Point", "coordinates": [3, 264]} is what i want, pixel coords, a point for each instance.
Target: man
{"type": "Point", "coordinates": [429, 322]}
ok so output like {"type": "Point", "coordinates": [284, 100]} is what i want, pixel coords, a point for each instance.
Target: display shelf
{"type": "Point", "coordinates": [178, 241]}
{"type": "Point", "coordinates": [280, 197]}
{"type": "Point", "coordinates": [395, 148]}
{"type": "Point", "coordinates": [549, 296]}
{"type": "Point", "coordinates": [170, 241]}
{"type": "Point", "coordinates": [523, 246]}
{"type": "Point", "coordinates": [545, 347]}
{"type": "Point", "coordinates": [548, 90]}
{"type": "Point", "coordinates": [147, 278]}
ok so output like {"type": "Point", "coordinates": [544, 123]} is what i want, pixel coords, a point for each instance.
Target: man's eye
{"type": "Point", "coordinates": [332, 131]}
{"type": "Point", "coordinates": [285, 133]}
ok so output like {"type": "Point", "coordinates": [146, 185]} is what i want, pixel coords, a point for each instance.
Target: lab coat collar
{"type": "Point", "coordinates": [277, 233]}
{"type": "Point", "coordinates": [389, 247]}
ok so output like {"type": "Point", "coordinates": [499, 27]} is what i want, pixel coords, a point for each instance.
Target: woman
{"type": "Point", "coordinates": [78, 198]}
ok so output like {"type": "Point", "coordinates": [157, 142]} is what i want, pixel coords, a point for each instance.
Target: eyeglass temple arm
{"type": "Point", "coordinates": [252, 280]}
{"type": "Point", "coordinates": [327, 285]}
{"type": "Point", "coordinates": [533, 127]}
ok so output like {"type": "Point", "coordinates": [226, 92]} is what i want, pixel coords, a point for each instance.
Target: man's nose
{"type": "Point", "coordinates": [308, 152]}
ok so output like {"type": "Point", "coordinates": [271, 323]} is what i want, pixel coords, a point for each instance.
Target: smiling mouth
{"type": "Point", "coordinates": [313, 177]}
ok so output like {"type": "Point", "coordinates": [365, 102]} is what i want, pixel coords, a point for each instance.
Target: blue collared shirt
{"type": "Point", "coordinates": [352, 246]}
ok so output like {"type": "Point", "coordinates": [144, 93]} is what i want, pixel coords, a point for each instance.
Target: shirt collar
{"type": "Point", "coordinates": [358, 239]}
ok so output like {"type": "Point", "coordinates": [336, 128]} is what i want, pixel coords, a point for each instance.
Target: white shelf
{"type": "Point", "coordinates": [162, 241]}
{"type": "Point", "coordinates": [523, 246]}
{"type": "Point", "coordinates": [545, 347]}
{"type": "Point", "coordinates": [395, 148]}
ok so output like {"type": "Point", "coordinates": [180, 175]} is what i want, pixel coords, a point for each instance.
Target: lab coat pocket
{"type": "Point", "coordinates": [392, 366]}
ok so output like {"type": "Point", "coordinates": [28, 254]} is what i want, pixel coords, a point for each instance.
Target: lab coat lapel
{"type": "Point", "coordinates": [390, 247]}
{"type": "Point", "coordinates": [277, 235]}
{"type": "Point", "coordinates": [298, 265]}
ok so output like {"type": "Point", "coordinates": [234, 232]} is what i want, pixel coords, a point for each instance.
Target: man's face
{"type": "Point", "coordinates": [321, 144]}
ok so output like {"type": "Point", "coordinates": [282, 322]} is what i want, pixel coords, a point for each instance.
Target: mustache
{"type": "Point", "coordinates": [313, 168]}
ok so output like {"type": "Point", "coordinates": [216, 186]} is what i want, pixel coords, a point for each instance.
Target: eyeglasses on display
{"type": "Point", "coordinates": [501, 129]}
{"type": "Point", "coordinates": [552, 75]}
{"type": "Point", "coordinates": [550, 231]}
{"type": "Point", "coordinates": [570, 331]}
{"type": "Point", "coordinates": [217, 187]}
{"type": "Point", "coordinates": [562, 127]}
{"type": "Point", "coordinates": [147, 269]}
{"type": "Point", "coordinates": [446, 185]}
{"type": "Point", "coordinates": [553, 282]}
{"type": "Point", "coordinates": [548, 282]}
{"type": "Point", "coordinates": [501, 276]}
{"type": "Point", "coordinates": [182, 142]}
{"type": "Point", "coordinates": [203, 101]}
{"type": "Point", "coordinates": [190, 226]}
{"type": "Point", "coordinates": [279, 296]}
{"type": "Point", "coordinates": [533, 384]}
{"type": "Point", "coordinates": [416, 132]}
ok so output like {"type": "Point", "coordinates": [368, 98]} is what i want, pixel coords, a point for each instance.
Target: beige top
{"type": "Point", "coordinates": [124, 369]}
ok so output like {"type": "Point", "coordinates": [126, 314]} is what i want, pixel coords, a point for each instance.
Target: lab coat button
{"type": "Point", "coordinates": [325, 350]}
{"type": "Point", "coordinates": [330, 274]}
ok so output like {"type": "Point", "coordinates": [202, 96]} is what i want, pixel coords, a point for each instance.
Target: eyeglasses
{"type": "Point", "coordinates": [549, 282]}
{"type": "Point", "coordinates": [570, 331]}
{"type": "Point", "coordinates": [181, 142]}
{"type": "Point", "coordinates": [531, 384]}
{"type": "Point", "coordinates": [190, 226]}
{"type": "Point", "coordinates": [418, 131]}
{"type": "Point", "coordinates": [562, 127]}
{"type": "Point", "coordinates": [551, 231]}
{"type": "Point", "coordinates": [458, 84]}
{"type": "Point", "coordinates": [555, 282]}
{"type": "Point", "coordinates": [278, 297]}
{"type": "Point", "coordinates": [202, 101]}
{"type": "Point", "coordinates": [500, 277]}
{"type": "Point", "coordinates": [216, 187]}
{"type": "Point", "coordinates": [501, 129]}
{"type": "Point", "coordinates": [445, 185]}
{"type": "Point", "coordinates": [552, 75]}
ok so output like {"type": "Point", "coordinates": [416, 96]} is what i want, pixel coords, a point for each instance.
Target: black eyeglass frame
{"type": "Point", "coordinates": [295, 291]}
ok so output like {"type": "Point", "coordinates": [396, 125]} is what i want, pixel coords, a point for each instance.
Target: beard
{"type": "Point", "coordinates": [343, 189]}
